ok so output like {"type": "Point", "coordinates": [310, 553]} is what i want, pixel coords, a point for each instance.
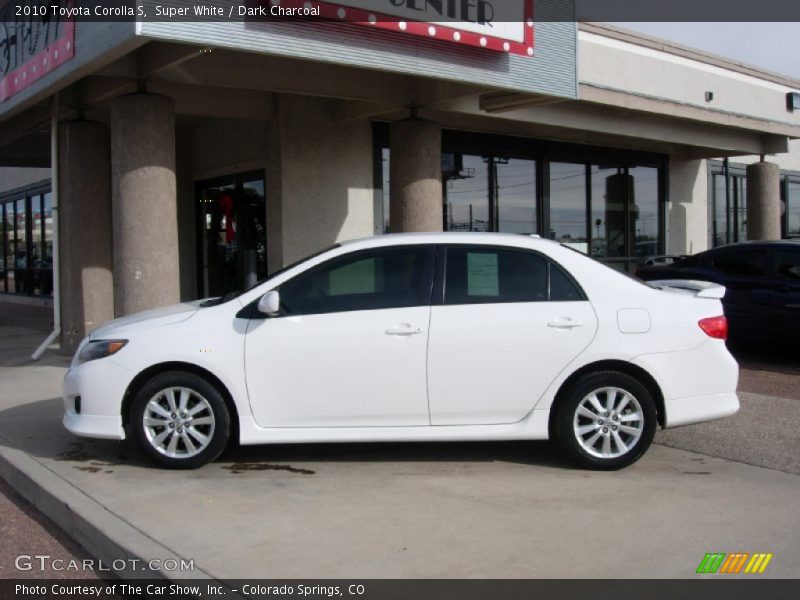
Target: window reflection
{"type": "Point", "coordinates": [466, 192]}
{"type": "Point", "coordinates": [644, 210]}
{"type": "Point", "coordinates": [793, 209]}
{"type": "Point", "coordinates": [20, 273]}
{"type": "Point", "coordinates": [608, 212]}
{"type": "Point", "coordinates": [612, 211]}
{"type": "Point", "coordinates": [515, 182]}
{"type": "Point", "coordinates": [568, 205]}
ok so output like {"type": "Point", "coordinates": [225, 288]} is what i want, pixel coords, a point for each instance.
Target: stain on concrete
{"type": "Point", "coordinates": [88, 468]}
{"type": "Point", "coordinates": [696, 472]}
{"type": "Point", "coordinates": [238, 468]}
{"type": "Point", "coordinates": [79, 453]}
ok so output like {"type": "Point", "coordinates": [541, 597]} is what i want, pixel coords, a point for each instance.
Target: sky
{"type": "Point", "coordinates": [767, 45]}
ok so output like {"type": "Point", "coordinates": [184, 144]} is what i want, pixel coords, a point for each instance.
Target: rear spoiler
{"type": "Point", "coordinates": [699, 289]}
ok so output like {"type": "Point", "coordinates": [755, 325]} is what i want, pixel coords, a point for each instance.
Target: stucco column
{"type": "Point", "coordinates": [144, 201]}
{"type": "Point", "coordinates": [416, 176]}
{"type": "Point", "coordinates": [763, 201]}
{"type": "Point", "coordinates": [84, 220]}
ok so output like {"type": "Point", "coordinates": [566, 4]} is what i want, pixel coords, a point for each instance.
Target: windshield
{"type": "Point", "coordinates": [236, 293]}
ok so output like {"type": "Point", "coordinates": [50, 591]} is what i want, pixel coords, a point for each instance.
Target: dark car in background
{"type": "Point", "coordinates": [762, 301]}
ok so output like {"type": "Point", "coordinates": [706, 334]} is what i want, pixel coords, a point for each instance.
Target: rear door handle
{"type": "Point", "coordinates": [564, 323]}
{"type": "Point", "coordinates": [404, 329]}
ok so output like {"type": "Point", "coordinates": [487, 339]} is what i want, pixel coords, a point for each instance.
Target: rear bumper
{"type": "Point", "coordinates": [697, 385]}
{"type": "Point", "coordinates": [687, 411]}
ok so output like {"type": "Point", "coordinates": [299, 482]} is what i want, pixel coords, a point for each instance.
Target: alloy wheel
{"type": "Point", "coordinates": [178, 422]}
{"type": "Point", "coordinates": [608, 422]}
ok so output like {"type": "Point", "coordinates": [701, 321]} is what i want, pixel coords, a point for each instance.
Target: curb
{"type": "Point", "coordinates": [103, 534]}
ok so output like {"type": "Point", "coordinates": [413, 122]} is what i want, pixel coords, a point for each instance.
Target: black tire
{"type": "Point", "coordinates": [607, 425]}
{"type": "Point", "coordinates": [214, 415]}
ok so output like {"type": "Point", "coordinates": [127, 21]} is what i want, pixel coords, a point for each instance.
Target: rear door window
{"type": "Point", "coordinates": [480, 275]}
{"type": "Point", "coordinates": [789, 265]}
{"type": "Point", "coordinates": [742, 263]}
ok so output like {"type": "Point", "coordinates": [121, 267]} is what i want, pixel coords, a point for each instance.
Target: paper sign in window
{"type": "Point", "coordinates": [482, 274]}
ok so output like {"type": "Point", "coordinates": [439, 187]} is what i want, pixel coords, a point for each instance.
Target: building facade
{"type": "Point", "coordinates": [191, 159]}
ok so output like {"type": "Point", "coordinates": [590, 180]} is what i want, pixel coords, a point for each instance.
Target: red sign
{"type": "Point", "coordinates": [32, 44]}
{"type": "Point", "coordinates": [498, 25]}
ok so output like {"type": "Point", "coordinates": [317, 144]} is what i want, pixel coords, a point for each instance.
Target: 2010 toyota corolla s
{"type": "Point", "coordinates": [414, 337]}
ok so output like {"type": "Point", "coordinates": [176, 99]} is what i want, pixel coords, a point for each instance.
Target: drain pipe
{"type": "Point", "coordinates": [56, 260]}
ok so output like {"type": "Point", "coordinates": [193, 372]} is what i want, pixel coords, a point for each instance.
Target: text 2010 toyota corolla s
{"type": "Point", "coordinates": [413, 337]}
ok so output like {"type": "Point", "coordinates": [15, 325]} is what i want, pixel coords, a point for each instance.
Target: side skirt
{"type": "Point", "coordinates": [532, 427]}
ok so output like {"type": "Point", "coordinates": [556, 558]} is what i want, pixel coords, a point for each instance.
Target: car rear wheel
{"type": "Point", "coordinates": [180, 420]}
{"type": "Point", "coordinates": [606, 420]}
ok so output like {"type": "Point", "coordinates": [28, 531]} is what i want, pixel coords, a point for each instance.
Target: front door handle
{"type": "Point", "coordinates": [564, 323]}
{"type": "Point", "coordinates": [404, 329]}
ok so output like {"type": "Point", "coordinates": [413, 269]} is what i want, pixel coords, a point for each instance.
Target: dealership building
{"type": "Point", "coordinates": [188, 159]}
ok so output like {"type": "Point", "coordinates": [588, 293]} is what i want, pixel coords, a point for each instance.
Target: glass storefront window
{"type": "Point", "coordinates": [466, 192]}
{"type": "Point", "coordinates": [568, 205]}
{"type": "Point", "coordinates": [644, 210]}
{"type": "Point", "coordinates": [20, 279]}
{"type": "Point", "coordinates": [3, 248]}
{"type": "Point", "coordinates": [47, 245]}
{"type": "Point", "coordinates": [729, 208]}
{"type": "Point", "coordinates": [793, 208]}
{"type": "Point", "coordinates": [721, 231]}
{"type": "Point", "coordinates": [608, 212]}
{"type": "Point", "coordinates": [385, 180]}
{"type": "Point", "coordinates": [515, 191]}
{"type": "Point", "coordinates": [740, 193]}
{"type": "Point", "coordinates": [612, 211]}
{"type": "Point", "coordinates": [233, 233]}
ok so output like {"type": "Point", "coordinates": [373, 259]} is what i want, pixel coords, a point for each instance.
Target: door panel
{"type": "Point", "coordinates": [363, 368]}
{"type": "Point", "coordinates": [785, 319]}
{"type": "Point", "coordinates": [349, 347]}
{"type": "Point", "coordinates": [510, 321]}
{"type": "Point", "coordinates": [490, 363]}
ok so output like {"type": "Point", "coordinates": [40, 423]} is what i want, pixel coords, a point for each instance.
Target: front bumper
{"type": "Point", "coordinates": [94, 426]}
{"type": "Point", "coordinates": [101, 386]}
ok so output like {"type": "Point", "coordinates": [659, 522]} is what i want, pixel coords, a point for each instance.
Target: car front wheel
{"type": "Point", "coordinates": [606, 420]}
{"type": "Point", "coordinates": [180, 420]}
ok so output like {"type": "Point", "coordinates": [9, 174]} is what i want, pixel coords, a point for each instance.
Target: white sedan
{"type": "Point", "coordinates": [413, 337]}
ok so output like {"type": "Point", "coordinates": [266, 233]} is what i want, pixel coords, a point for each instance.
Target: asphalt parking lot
{"type": "Point", "coordinates": [486, 510]}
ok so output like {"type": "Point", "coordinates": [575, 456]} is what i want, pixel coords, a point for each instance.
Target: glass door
{"type": "Point", "coordinates": [232, 233]}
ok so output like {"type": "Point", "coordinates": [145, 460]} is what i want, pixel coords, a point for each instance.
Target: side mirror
{"type": "Point", "coordinates": [270, 303]}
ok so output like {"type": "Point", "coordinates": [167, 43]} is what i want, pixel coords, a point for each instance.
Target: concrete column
{"type": "Point", "coordinates": [416, 176]}
{"type": "Point", "coordinates": [84, 219]}
{"type": "Point", "coordinates": [763, 201]}
{"type": "Point", "coordinates": [144, 200]}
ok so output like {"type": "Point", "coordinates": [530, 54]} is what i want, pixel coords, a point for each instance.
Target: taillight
{"type": "Point", "coordinates": [715, 327]}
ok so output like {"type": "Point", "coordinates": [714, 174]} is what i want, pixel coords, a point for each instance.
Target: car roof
{"type": "Point", "coordinates": [450, 237]}
{"type": "Point", "coordinates": [757, 243]}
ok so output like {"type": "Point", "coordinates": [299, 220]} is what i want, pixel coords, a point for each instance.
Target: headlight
{"type": "Point", "coordinates": [99, 349]}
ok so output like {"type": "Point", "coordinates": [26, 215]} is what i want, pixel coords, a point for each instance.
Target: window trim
{"type": "Point", "coordinates": [440, 281]}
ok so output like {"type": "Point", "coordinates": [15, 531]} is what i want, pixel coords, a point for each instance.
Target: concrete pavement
{"type": "Point", "coordinates": [492, 510]}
